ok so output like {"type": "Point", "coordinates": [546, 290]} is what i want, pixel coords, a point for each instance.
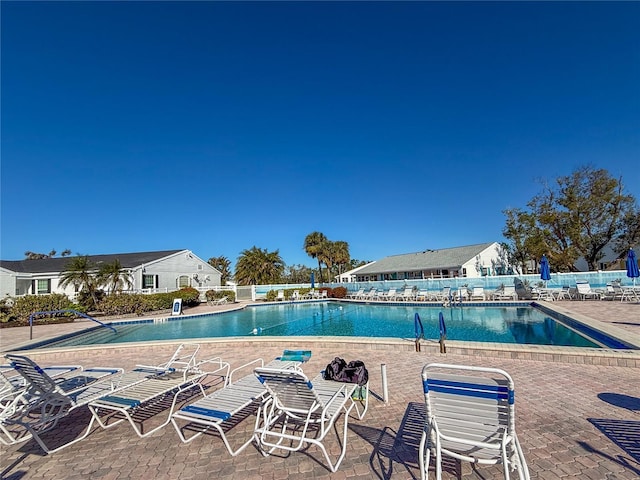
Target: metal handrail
{"type": "Point", "coordinates": [64, 311]}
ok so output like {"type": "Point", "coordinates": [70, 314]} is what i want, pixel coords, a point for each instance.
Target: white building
{"type": "Point", "coordinates": [148, 271]}
{"type": "Point", "coordinates": [470, 261]}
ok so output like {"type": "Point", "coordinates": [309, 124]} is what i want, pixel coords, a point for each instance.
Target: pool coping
{"type": "Point", "coordinates": [561, 354]}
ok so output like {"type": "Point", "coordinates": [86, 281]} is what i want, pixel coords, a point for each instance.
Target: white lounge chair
{"type": "Point", "coordinates": [45, 401]}
{"type": "Point", "coordinates": [299, 412]}
{"type": "Point", "coordinates": [565, 293]}
{"type": "Point", "coordinates": [12, 384]}
{"type": "Point", "coordinates": [423, 296]}
{"type": "Point", "coordinates": [462, 293]}
{"type": "Point", "coordinates": [470, 417]}
{"type": "Point", "coordinates": [219, 410]}
{"type": "Point", "coordinates": [389, 295]}
{"type": "Point", "coordinates": [477, 293]}
{"type": "Point", "coordinates": [408, 294]}
{"type": "Point", "coordinates": [357, 294]}
{"type": "Point", "coordinates": [49, 401]}
{"type": "Point", "coordinates": [220, 301]}
{"type": "Point", "coordinates": [280, 296]}
{"type": "Point", "coordinates": [153, 393]}
{"type": "Point", "coordinates": [506, 293]}
{"type": "Point", "coordinates": [585, 291]}
{"type": "Point", "coordinates": [370, 295]}
{"type": "Point", "coordinates": [443, 295]}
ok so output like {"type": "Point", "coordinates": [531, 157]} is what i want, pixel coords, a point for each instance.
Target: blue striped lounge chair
{"type": "Point", "coordinates": [219, 411]}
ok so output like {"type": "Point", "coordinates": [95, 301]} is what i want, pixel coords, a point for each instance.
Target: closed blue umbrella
{"type": "Point", "coordinates": [545, 271]}
{"type": "Point", "coordinates": [313, 280]}
{"type": "Point", "coordinates": [632, 266]}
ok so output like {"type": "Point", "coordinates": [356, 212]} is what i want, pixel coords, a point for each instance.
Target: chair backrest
{"type": "Point", "coordinates": [391, 292]}
{"type": "Point", "coordinates": [583, 287]}
{"type": "Point", "coordinates": [291, 390]}
{"type": "Point", "coordinates": [38, 381]}
{"type": "Point", "coordinates": [183, 358]}
{"type": "Point", "coordinates": [480, 400]}
{"type": "Point", "coordinates": [478, 290]}
{"type": "Point", "coordinates": [509, 290]}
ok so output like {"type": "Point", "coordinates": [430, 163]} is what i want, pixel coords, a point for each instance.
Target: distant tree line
{"type": "Point", "coordinates": [575, 216]}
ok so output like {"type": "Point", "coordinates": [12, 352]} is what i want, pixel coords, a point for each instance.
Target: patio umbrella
{"type": "Point", "coordinates": [313, 279]}
{"type": "Point", "coordinates": [632, 266]}
{"type": "Point", "coordinates": [545, 272]}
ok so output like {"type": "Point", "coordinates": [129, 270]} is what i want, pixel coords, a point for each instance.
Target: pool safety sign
{"type": "Point", "coordinates": [177, 307]}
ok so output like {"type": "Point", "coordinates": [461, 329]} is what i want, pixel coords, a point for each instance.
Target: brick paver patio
{"type": "Point", "coordinates": [574, 420]}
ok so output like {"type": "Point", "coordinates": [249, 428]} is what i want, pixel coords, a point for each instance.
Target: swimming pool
{"type": "Point", "coordinates": [514, 324]}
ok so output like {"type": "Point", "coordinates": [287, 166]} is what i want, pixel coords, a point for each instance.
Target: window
{"type": "Point", "coordinates": [44, 286]}
{"type": "Point", "coordinates": [148, 281]}
{"type": "Point", "coordinates": [183, 281]}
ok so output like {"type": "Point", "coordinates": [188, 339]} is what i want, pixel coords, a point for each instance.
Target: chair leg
{"type": "Point", "coordinates": [424, 455]}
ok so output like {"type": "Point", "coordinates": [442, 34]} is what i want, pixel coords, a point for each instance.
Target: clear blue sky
{"type": "Point", "coordinates": [215, 127]}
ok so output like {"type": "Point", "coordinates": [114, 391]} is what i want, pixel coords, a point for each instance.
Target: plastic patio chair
{"type": "Point", "coordinates": [470, 416]}
{"type": "Point", "coordinates": [220, 410]}
{"type": "Point", "coordinates": [299, 412]}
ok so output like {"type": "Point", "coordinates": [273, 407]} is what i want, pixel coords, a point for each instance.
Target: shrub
{"type": "Point", "coordinates": [189, 295]}
{"type": "Point", "coordinates": [23, 307]}
{"type": "Point", "coordinates": [271, 296]}
{"type": "Point", "coordinates": [125, 304]}
{"type": "Point", "coordinates": [338, 292]}
{"type": "Point", "coordinates": [216, 294]}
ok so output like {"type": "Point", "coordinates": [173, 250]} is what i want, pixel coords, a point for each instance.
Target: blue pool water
{"type": "Point", "coordinates": [499, 324]}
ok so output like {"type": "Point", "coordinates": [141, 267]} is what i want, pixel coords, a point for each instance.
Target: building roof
{"type": "Point", "coordinates": [445, 258]}
{"type": "Point", "coordinates": [58, 264]}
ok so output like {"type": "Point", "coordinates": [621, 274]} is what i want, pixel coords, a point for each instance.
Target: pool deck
{"type": "Point", "coordinates": [577, 414]}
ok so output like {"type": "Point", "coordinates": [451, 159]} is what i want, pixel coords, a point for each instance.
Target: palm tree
{"type": "Point", "coordinates": [315, 246]}
{"type": "Point", "coordinates": [341, 256]}
{"type": "Point", "coordinates": [223, 265]}
{"type": "Point", "coordinates": [112, 276]}
{"type": "Point", "coordinates": [80, 273]}
{"type": "Point", "coordinates": [256, 266]}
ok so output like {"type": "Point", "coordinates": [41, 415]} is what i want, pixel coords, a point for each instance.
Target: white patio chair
{"type": "Point", "coordinates": [221, 301]}
{"type": "Point", "coordinates": [389, 295]}
{"type": "Point", "coordinates": [13, 384]}
{"type": "Point", "coordinates": [422, 296]}
{"type": "Point", "coordinates": [585, 291]}
{"type": "Point", "coordinates": [280, 296]}
{"type": "Point", "coordinates": [564, 293]}
{"type": "Point", "coordinates": [300, 412]}
{"type": "Point", "coordinates": [443, 295]}
{"type": "Point", "coordinates": [477, 293]}
{"type": "Point", "coordinates": [506, 293]}
{"type": "Point", "coordinates": [219, 410]}
{"type": "Point", "coordinates": [45, 401]}
{"type": "Point", "coordinates": [152, 394]}
{"type": "Point", "coordinates": [357, 294]}
{"type": "Point", "coordinates": [470, 417]}
{"type": "Point", "coordinates": [370, 295]}
{"type": "Point", "coordinates": [408, 294]}
{"type": "Point", "coordinates": [49, 401]}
